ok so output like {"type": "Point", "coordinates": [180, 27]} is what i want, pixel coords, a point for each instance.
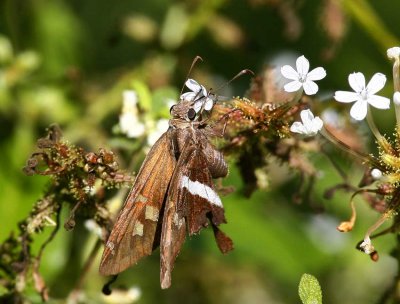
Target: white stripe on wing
{"type": "Point", "coordinates": [204, 191]}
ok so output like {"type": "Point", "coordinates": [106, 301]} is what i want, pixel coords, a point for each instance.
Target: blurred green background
{"type": "Point", "coordinates": [69, 62]}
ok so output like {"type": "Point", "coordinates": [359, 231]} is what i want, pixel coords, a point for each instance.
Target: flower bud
{"type": "Point", "coordinates": [393, 53]}
{"type": "Point", "coordinates": [376, 174]}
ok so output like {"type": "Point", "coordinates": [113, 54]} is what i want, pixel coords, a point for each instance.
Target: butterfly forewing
{"type": "Point", "coordinates": [134, 234]}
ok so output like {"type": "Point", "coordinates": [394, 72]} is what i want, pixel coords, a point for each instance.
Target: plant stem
{"type": "Point", "coordinates": [342, 146]}
{"type": "Point", "coordinates": [373, 127]}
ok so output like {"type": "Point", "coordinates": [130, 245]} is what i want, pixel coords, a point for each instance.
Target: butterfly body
{"type": "Point", "coordinates": [173, 195]}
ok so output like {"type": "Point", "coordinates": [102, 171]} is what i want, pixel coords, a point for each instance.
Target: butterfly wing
{"type": "Point", "coordinates": [191, 204]}
{"type": "Point", "coordinates": [137, 230]}
{"type": "Point", "coordinates": [174, 223]}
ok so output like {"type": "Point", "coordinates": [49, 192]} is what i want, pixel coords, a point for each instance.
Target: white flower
{"type": "Point", "coordinates": [309, 126]}
{"type": "Point", "coordinates": [89, 190]}
{"type": "Point", "coordinates": [364, 95]}
{"type": "Point", "coordinates": [396, 98]}
{"type": "Point", "coordinates": [301, 77]}
{"type": "Point", "coordinates": [129, 118]}
{"type": "Point", "coordinates": [199, 95]}
{"type": "Point", "coordinates": [376, 174]}
{"type": "Point", "coordinates": [393, 52]}
{"type": "Point", "coordinates": [366, 246]}
{"type": "Point", "coordinates": [196, 90]}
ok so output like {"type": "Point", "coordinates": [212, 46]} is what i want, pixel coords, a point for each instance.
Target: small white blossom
{"type": "Point", "coordinates": [366, 246]}
{"type": "Point", "coordinates": [364, 94]}
{"type": "Point", "coordinates": [309, 126]}
{"type": "Point", "coordinates": [393, 52]}
{"type": "Point", "coordinates": [376, 174]}
{"type": "Point", "coordinates": [161, 126]}
{"type": "Point", "coordinates": [196, 90]}
{"type": "Point", "coordinates": [396, 98]}
{"type": "Point", "coordinates": [302, 77]}
{"type": "Point", "coordinates": [90, 190]}
{"type": "Point", "coordinates": [199, 94]}
{"type": "Point", "coordinates": [129, 118]}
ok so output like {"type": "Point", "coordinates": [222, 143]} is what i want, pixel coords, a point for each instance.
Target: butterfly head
{"type": "Point", "coordinates": [184, 110]}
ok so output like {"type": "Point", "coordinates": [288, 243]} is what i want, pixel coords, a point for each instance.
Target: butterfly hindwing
{"type": "Point", "coordinates": [199, 196]}
{"type": "Point", "coordinates": [191, 204]}
{"type": "Point", "coordinates": [135, 232]}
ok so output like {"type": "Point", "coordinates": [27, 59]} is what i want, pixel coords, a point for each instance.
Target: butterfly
{"type": "Point", "coordinates": [173, 194]}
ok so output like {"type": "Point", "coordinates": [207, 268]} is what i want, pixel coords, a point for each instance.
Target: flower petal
{"type": "Point", "coordinates": [297, 127]}
{"type": "Point", "coordinates": [310, 87]}
{"type": "Point", "coordinates": [197, 105]}
{"type": "Point", "coordinates": [209, 103]}
{"type": "Point", "coordinates": [302, 65]}
{"type": "Point", "coordinates": [203, 91]}
{"type": "Point", "coordinates": [393, 52]}
{"type": "Point", "coordinates": [306, 117]}
{"type": "Point", "coordinates": [359, 110]}
{"type": "Point", "coordinates": [292, 86]}
{"type": "Point", "coordinates": [316, 74]}
{"type": "Point", "coordinates": [289, 72]}
{"type": "Point", "coordinates": [317, 124]}
{"type": "Point", "coordinates": [379, 102]}
{"type": "Point", "coordinates": [193, 85]}
{"type": "Point", "coordinates": [376, 83]}
{"type": "Point", "coordinates": [357, 81]}
{"type": "Point", "coordinates": [189, 96]}
{"type": "Point", "coordinates": [346, 96]}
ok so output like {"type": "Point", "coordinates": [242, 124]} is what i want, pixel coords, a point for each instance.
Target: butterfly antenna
{"type": "Point", "coordinates": [197, 58]}
{"type": "Point", "coordinates": [241, 73]}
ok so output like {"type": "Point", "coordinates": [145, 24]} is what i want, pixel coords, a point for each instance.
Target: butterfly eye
{"type": "Point", "coordinates": [191, 114]}
{"type": "Point", "coordinates": [171, 108]}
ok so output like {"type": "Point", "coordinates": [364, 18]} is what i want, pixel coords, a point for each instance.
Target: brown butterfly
{"type": "Point", "coordinates": [173, 194]}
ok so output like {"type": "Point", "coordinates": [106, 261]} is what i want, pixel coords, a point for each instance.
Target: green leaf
{"type": "Point", "coordinates": [144, 95]}
{"type": "Point", "coordinates": [309, 290]}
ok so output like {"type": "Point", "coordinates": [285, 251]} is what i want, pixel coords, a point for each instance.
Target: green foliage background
{"type": "Point", "coordinates": [69, 61]}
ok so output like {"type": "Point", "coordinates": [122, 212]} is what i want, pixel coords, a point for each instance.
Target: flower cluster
{"type": "Point", "coordinates": [384, 169]}
{"type": "Point", "coordinates": [129, 119]}
{"type": "Point", "coordinates": [363, 95]}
